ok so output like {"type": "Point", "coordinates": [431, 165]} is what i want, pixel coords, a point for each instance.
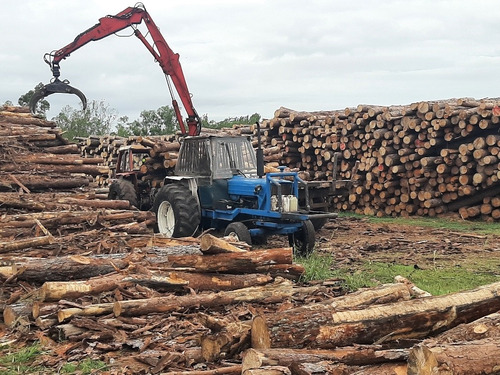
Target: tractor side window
{"type": "Point", "coordinates": [195, 158]}
{"type": "Point", "coordinates": [124, 162]}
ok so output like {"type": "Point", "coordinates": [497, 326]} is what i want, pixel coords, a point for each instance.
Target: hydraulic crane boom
{"type": "Point", "coordinates": [163, 54]}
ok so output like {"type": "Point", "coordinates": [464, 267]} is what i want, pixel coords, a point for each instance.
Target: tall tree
{"type": "Point", "coordinates": [230, 121]}
{"type": "Point", "coordinates": [96, 119]}
{"type": "Point", "coordinates": [42, 107]}
{"type": "Point", "coordinates": [152, 122]}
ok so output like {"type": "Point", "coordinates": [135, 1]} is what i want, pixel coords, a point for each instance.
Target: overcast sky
{"type": "Point", "coordinates": [245, 57]}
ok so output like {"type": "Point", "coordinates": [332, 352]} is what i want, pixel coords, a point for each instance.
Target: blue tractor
{"type": "Point", "coordinates": [219, 183]}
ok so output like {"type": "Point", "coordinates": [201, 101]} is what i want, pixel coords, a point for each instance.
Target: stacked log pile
{"type": "Point", "coordinates": [47, 188]}
{"type": "Point", "coordinates": [35, 156]}
{"type": "Point", "coordinates": [427, 158]}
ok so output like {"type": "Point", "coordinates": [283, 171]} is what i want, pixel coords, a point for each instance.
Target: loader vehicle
{"type": "Point", "coordinates": [219, 182]}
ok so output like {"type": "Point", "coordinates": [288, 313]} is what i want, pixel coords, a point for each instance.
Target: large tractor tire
{"type": "Point", "coordinates": [240, 231]}
{"type": "Point", "coordinates": [304, 240]}
{"type": "Point", "coordinates": [123, 189]}
{"type": "Point", "coordinates": [177, 211]}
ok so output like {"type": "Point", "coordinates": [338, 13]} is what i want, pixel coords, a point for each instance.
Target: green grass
{"type": "Point", "coordinates": [437, 281]}
{"type": "Point", "coordinates": [15, 361]}
{"type": "Point", "coordinates": [20, 361]}
{"type": "Point", "coordinates": [85, 367]}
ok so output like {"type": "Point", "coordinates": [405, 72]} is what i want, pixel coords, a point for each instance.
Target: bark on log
{"type": "Point", "coordinates": [68, 290]}
{"type": "Point", "coordinates": [386, 323]}
{"type": "Point", "coordinates": [352, 356]}
{"type": "Point", "coordinates": [213, 245]}
{"type": "Point", "coordinates": [275, 292]}
{"type": "Point", "coordinates": [6, 247]}
{"type": "Point", "coordinates": [464, 358]}
{"type": "Point", "coordinates": [69, 268]}
{"type": "Point", "coordinates": [241, 262]}
{"type": "Point", "coordinates": [383, 369]}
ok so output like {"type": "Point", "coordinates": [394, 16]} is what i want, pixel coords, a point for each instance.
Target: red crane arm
{"type": "Point", "coordinates": [163, 54]}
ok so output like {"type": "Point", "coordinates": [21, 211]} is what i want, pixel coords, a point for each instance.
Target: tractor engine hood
{"type": "Point", "coordinates": [240, 186]}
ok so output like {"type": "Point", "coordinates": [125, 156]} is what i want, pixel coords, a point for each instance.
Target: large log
{"type": "Point", "coordinates": [202, 281]}
{"type": "Point", "coordinates": [57, 290]}
{"type": "Point", "coordinates": [293, 328]}
{"type": "Point", "coordinates": [464, 358]}
{"type": "Point", "coordinates": [390, 322]}
{"type": "Point", "coordinates": [43, 182]}
{"type": "Point", "coordinates": [239, 262]}
{"type": "Point", "coordinates": [353, 356]}
{"type": "Point", "coordinates": [6, 247]}
{"type": "Point", "coordinates": [69, 268]}
{"type": "Point", "coordinates": [271, 293]}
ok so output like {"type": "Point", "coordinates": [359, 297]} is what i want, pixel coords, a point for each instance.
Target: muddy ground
{"type": "Point", "coordinates": [353, 241]}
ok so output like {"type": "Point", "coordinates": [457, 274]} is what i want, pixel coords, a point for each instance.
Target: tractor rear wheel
{"type": "Point", "coordinates": [123, 190]}
{"type": "Point", "coordinates": [177, 211]}
{"type": "Point", "coordinates": [240, 231]}
{"type": "Point", "coordinates": [304, 240]}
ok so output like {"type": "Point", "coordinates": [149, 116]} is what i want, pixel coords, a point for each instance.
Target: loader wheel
{"type": "Point", "coordinates": [319, 223]}
{"type": "Point", "coordinates": [123, 190]}
{"type": "Point", "coordinates": [240, 231]}
{"type": "Point", "coordinates": [304, 240]}
{"type": "Point", "coordinates": [177, 211]}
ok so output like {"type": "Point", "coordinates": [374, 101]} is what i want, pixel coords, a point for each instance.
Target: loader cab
{"type": "Point", "coordinates": [130, 159]}
{"type": "Point", "coordinates": [216, 157]}
{"type": "Point", "coordinates": [212, 161]}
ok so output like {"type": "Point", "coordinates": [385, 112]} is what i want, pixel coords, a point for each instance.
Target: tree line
{"type": "Point", "coordinates": [99, 119]}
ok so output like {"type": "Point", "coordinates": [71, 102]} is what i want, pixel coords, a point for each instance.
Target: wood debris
{"type": "Point", "coordinates": [88, 278]}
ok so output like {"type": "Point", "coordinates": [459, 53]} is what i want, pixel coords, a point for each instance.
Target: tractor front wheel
{"type": "Point", "coordinates": [240, 231]}
{"type": "Point", "coordinates": [177, 211]}
{"type": "Point", "coordinates": [304, 240]}
{"type": "Point", "coordinates": [123, 190]}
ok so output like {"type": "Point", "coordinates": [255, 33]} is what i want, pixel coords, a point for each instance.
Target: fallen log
{"type": "Point", "coordinates": [240, 262]}
{"type": "Point", "coordinates": [213, 245]}
{"type": "Point", "coordinates": [68, 290]}
{"type": "Point", "coordinates": [69, 268]}
{"type": "Point", "coordinates": [268, 370]}
{"type": "Point", "coordinates": [201, 281]}
{"type": "Point", "coordinates": [390, 322]}
{"type": "Point", "coordinates": [229, 370]}
{"type": "Point", "coordinates": [463, 358]}
{"type": "Point", "coordinates": [383, 369]}
{"type": "Point", "coordinates": [276, 292]}
{"type": "Point", "coordinates": [352, 356]}
{"type": "Point", "coordinates": [485, 327]}
{"type": "Point", "coordinates": [6, 247]}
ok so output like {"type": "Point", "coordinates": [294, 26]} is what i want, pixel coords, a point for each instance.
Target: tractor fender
{"type": "Point", "coordinates": [190, 182]}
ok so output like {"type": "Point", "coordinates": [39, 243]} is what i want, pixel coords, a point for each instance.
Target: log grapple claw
{"type": "Point", "coordinates": [55, 87]}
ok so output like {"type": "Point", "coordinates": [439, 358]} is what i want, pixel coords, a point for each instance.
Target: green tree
{"type": "Point", "coordinates": [42, 106]}
{"type": "Point", "coordinates": [230, 121]}
{"type": "Point", "coordinates": [96, 119]}
{"type": "Point", "coordinates": [152, 122]}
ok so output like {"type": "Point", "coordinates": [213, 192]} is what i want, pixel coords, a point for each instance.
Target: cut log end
{"type": "Point", "coordinates": [260, 336]}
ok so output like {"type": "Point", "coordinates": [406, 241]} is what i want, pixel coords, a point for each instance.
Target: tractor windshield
{"type": "Point", "coordinates": [233, 156]}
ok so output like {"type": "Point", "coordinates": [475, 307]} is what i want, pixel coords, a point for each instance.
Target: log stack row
{"type": "Point", "coordinates": [34, 155]}
{"type": "Point", "coordinates": [47, 188]}
{"type": "Point", "coordinates": [427, 158]}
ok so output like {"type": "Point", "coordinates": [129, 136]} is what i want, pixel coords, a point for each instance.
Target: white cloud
{"type": "Point", "coordinates": [244, 57]}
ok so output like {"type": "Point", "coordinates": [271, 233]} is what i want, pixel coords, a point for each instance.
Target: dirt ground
{"type": "Point", "coordinates": [353, 240]}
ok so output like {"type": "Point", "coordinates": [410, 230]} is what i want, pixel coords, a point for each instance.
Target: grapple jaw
{"type": "Point", "coordinates": [55, 87]}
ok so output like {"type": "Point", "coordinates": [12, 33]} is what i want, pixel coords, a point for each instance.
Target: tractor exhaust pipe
{"type": "Point", "coordinates": [259, 153]}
